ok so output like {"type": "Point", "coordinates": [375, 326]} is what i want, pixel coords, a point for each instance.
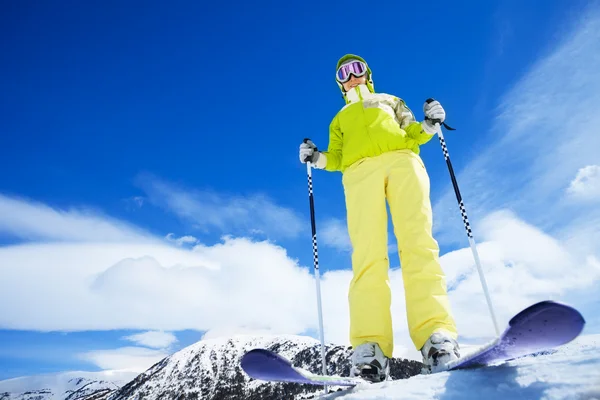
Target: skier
{"type": "Point", "coordinates": [374, 141]}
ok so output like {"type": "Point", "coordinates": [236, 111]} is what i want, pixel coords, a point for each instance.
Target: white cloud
{"type": "Point", "coordinates": [154, 339]}
{"type": "Point", "coordinates": [229, 214]}
{"type": "Point", "coordinates": [242, 285]}
{"type": "Point", "coordinates": [30, 220]}
{"type": "Point", "coordinates": [129, 286]}
{"type": "Point", "coordinates": [522, 265]}
{"type": "Point", "coordinates": [182, 241]}
{"type": "Point", "coordinates": [134, 359]}
{"type": "Point", "coordinates": [586, 185]}
{"type": "Point", "coordinates": [392, 248]}
{"type": "Point", "coordinates": [138, 200]}
{"type": "Point", "coordinates": [135, 202]}
{"type": "Point", "coordinates": [335, 234]}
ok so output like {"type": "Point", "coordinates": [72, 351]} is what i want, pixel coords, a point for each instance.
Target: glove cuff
{"type": "Point", "coordinates": [429, 127]}
{"type": "Point", "coordinates": [321, 161]}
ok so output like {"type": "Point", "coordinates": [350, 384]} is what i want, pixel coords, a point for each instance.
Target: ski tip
{"type": "Point", "coordinates": [565, 322]}
{"type": "Point", "coordinates": [258, 352]}
{"type": "Point", "coordinates": [264, 364]}
{"type": "Point", "coordinates": [549, 307]}
{"type": "Point", "coordinates": [259, 356]}
{"type": "Point", "coordinates": [269, 366]}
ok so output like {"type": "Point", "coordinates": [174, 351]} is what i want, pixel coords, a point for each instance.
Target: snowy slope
{"type": "Point", "coordinates": [73, 385]}
{"type": "Point", "coordinates": [572, 372]}
{"type": "Point", "coordinates": [209, 370]}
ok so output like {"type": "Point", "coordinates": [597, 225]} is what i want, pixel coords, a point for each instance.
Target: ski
{"type": "Point", "coordinates": [539, 327]}
{"type": "Point", "coordinates": [269, 366]}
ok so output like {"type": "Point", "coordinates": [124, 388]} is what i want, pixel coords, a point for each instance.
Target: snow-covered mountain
{"type": "Point", "coordinates": [75, 385]}
{"type": "Point", "coordinates": [209, 370]}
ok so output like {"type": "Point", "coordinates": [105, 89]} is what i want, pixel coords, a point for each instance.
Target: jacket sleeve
{"type": "Point", "coordinates": [334, 150]}
{"type": "Point", "coordinates": [407, 121]}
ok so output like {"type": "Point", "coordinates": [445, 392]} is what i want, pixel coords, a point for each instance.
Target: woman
{"type": "Point", "coordinates": [374, 141]}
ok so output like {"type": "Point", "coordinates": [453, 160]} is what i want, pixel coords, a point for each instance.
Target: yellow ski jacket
{"type": "Point", "coordinates": [369, 125]}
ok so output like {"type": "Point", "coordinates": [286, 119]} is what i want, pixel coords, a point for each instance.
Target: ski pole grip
{"type": "Point", "coordinates": [306, 140]}
{"type": "Point", "coordinates": [314, 145]}
{"type": "Point", "coordinates": [437, 121]}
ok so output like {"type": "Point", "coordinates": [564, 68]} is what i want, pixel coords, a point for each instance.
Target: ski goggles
{"type": "Point", "coordinates": [356, 68]}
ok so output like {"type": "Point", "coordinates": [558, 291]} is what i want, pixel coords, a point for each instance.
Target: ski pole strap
{"type": "Point", "coordinates": [448, 127]}
{"type": "Point", "coordinates": [437, 121]}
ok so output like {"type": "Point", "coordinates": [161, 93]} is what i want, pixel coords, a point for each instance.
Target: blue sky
{"type": "Point", "coordinates": [150, 150]}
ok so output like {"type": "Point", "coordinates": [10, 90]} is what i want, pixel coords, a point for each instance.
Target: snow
{"type": "Point", "coordinates": [56, 386]}
{"type": "Point", "coordinates": [571, 372]}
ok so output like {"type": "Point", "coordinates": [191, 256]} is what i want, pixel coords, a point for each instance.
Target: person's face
{"type": "Point", "coordinates": [354, 81]}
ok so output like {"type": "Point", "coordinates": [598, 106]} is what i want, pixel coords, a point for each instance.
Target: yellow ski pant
{"type": "Point", "coordinates": [400, 177]}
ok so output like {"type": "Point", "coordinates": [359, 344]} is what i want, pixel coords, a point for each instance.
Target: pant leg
{"type": "Point", "coordinates": [369, 294]}
{"type": "Point", "coordinates": [427, 305]}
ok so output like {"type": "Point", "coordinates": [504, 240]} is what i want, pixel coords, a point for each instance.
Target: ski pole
{"type": "Point", "coordinates": [316, 261]}
{"type": "Point", "coordinates": [465, 219]}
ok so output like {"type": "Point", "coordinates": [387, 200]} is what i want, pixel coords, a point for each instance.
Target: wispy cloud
{"type": "Point", "coordinates": [586, 185]}
{"type": "Point", "coordinates": [153, 339]}
{"type": "Point", "coordinates": [134, 359]}
{"type": "Point", "coordinates": [334, 234]}
{"type": "Point", "coordinates": [544, 136]}
{"type": "Point", "coordinates": [29, 220]}
{"type": "Point", "coordinates": [181, 241]}
{"type": "Point", "coordinates": [228, 214]}
{"type": "Point", "coordinates": [134, 203]}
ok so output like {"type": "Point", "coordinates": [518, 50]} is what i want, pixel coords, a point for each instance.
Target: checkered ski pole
{"type": "Point", "coordinates": [463, 212]}
{"type": "Point", "coordinates": [316, 261]}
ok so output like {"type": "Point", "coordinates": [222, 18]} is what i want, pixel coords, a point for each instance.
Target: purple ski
{"type": "Point", "coordinates": [540, 327]}
{"type": "Point", "coordinates": [269, 366]}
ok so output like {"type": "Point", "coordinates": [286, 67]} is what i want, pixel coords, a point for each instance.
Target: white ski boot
{"type": "Point", "coordinates": [439, 350]}
{"type": "Point", "coordinates": [369, 363]}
